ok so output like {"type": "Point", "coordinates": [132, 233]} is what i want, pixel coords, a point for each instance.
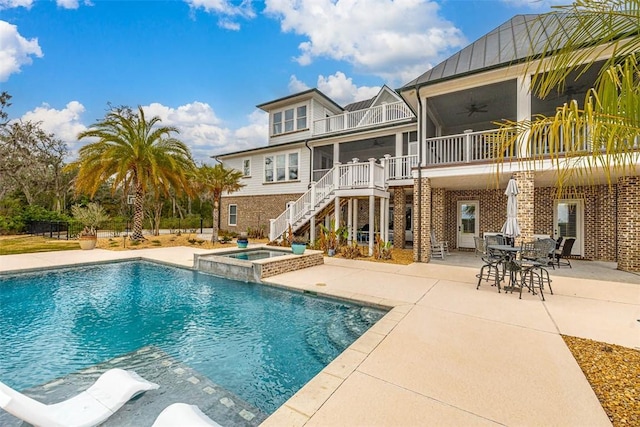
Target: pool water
{"type": "Point", "coordinates": [255, 254]}
{"type": "Point", "coordinates": [259, 342]}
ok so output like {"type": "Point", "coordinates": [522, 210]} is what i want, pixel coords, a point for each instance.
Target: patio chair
{"type": "Point", "coordinates": [535, 257]}
{"type": "Point", "coordinates": [479, 246]}
{"type": "Point", "coordinates": [562, 254]}
{"type": "Point", "coordinates": [444, 243]}
{"type": "Point", "coordinates": [181, 414]}
{"type": "Point", "coordinates": [490, 270]}
{"type": "Point", "coordinates": [494, 239]}
{"type": "Point", "coordinates": [109, 393]}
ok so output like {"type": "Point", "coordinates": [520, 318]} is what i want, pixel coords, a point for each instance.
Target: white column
{"type": "Point", "coordinates": [523, 110]}
{"type": "Point", "coordinates": [355, 218]}
{"type": "Point", "coordinates": [312, 229]}
{"type": "Point", "coordinates": [382, 227]}
{"type": "Point", "coordinates": [372, 163]}
{"type": "Point", "coordinates": [372, 226]}
{"type": "Point", "coordinates": [350, 219]}
{"type": "Point", "coordinates": [336, 152]}
{"type": "Point", "coordinates": [336, 212]}
{"type": "Point", "coordinates": [398, 152]}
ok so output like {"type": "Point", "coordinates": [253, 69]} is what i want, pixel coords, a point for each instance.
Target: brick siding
{"type": "Point", "coordinates": [399, 218]}
{"type": "Point", "coordinates": [423, 221]}
{"type": "Point", "coordinates": [254, 211]}
{"type": "Point", "coordinates": [628, 223]}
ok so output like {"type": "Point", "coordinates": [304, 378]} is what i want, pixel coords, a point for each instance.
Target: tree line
{"type": "Point", "coordinates": [127, 155]}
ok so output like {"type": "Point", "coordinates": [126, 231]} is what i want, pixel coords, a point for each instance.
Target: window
{"type": "Point", "coordinates": [233, 214]}
{"type": "Point", "coordinates": [246, 167]}
{"type": "Point", "coordinates": [277, 123]}
{"type": "Point", "coordinates": [290, 120]}
{"type": "Point", "coordinates": [301, 113]}
{"type": "Point", "coordinates": [281, 167]}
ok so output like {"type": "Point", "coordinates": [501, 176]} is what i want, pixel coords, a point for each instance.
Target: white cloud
{"type": "Point", "coordinates": [7, 4]}
{"type": "Point", "coordinates": [382, 37]}
{"type": "Point", "coordinates": [68, 4]}
{"type": "Point", "coordinates": [226, 10]}
{"type": "Point", "coordinates": [296, 85]}
{"type": "Point", "coordinates": [15, 50]}
{"type": "Point", "coordinates": [338, 87]}
{"type": "Point", "coordinates": [65, 124]}
{"type": "Point", "coordinates": [205, 133]}
{"type": "Point", "coordinates": [536, 4]}
{"type": "Point", "coordinates": [342, 90]}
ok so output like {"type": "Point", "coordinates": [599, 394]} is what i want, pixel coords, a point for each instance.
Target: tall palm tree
{"type": "Point", "coordinates": [211, 182]}
{"type": "Point", "coordinates": [134, 153]}
{"type": "Point", "coordinates": [605, 133]}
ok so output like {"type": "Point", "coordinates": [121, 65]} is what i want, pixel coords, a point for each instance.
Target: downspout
{"type": "Point", "coordinates": [306, 144]}
{"type": "Point", "coordinates": [419, 213]}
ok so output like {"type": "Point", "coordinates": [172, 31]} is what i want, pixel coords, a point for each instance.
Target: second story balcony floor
{"type": "Point", "coordinates": [361, 119]}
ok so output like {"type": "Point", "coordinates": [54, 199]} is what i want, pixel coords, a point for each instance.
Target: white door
{"type": "Point", "coordinates": [568, 221]}
{"type": "Point", "coordinates": [468, 223]}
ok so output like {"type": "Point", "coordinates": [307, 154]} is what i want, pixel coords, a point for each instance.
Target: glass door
{"type": "Point", "coordinates": [568, 219]}
{"type": "Point", "coordinates": [468, 224]}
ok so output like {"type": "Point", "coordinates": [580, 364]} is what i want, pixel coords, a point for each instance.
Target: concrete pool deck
{"type": "Point", "coordinates": [446, 354]}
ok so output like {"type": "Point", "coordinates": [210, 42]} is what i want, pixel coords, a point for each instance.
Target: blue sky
{"type": "Point", "coordinates": [203, 65]}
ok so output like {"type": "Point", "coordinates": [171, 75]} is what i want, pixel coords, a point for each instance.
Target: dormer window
{"type": "Point", "coordinates": [290, 120]}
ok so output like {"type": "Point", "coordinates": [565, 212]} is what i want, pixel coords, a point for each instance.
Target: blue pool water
{"type": "Point", "coordinates": [259, 342]}
{"type": "Point", "coordinates": [255, 254]}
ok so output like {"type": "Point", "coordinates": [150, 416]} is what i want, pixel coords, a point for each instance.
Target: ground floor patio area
{"type": "Point", "coordinates": [446, 353]}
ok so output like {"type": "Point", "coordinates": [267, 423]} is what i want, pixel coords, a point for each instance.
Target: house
{"type": "Point", "coordinates": [420, 159]}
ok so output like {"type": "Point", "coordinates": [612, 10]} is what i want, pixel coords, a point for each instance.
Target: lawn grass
{"type": "Point", "coordinates": [31, 244]}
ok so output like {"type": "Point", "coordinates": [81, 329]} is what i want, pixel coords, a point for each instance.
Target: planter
{"type": "Point", "coordinates": [242, 243]}
{"type": "Point", "coordinates": [331, 252]}
{"type": "Point", "coordinates": [298, 248]}
{"type": "Point", "coordinates": [87, 242]}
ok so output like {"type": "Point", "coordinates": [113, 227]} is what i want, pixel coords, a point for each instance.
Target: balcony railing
{"type": "Point", "coordinates": [385, 113]}
{"type": "Point", "coordinates": [468, 147]}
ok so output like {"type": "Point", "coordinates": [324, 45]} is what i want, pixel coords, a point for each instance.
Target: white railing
{"type": "Point", "coordinates": [571, 140]}
{"type": "Point", "coordinates": [462, 148]}
{"type": "Point", "coordinates": [348, 176]}
{"type": "Point", "coordinates": [373, 116]}
{"type": "Point", "coordinates": [400, 167]}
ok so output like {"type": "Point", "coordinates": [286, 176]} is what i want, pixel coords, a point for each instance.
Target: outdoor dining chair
{"type": "Point", "coordinates": [562, 254]}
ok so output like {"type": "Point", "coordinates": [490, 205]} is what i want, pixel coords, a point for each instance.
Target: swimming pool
{"type": "Point", "coordinates": [259, 342]}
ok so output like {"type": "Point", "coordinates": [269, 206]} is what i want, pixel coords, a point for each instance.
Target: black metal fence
{"type": "Point", "coordinates": [115, 228]}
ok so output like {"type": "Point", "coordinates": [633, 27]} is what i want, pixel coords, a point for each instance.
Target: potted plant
{"type": "Point", "coordinates": [90, 216]}
{"type": "Point", "coordinates": [242, 240]}
{"type": "Point", "coordinates": [298, 245]}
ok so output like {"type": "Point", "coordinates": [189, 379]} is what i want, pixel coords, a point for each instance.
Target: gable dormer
{"type": "Point", "coordinates": [291, 118]}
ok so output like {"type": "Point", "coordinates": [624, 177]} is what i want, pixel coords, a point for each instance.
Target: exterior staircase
{"type": "Point", "coordinates": [354, 178]}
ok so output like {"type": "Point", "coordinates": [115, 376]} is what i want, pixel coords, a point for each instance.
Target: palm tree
{"type": "Point", "coordinates": [605, 133]}
{"type": "Point", "coordinates": [134, 153]}
{"type": "Point", "coordinates": [211, 182]}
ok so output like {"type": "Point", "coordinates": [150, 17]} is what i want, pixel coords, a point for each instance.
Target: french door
{"type": "Point", "coordinates": [468, 223]}
{"type": "Point", "coordinates": [568, 221]}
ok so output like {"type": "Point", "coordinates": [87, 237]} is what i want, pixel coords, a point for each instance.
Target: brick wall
{"type": "Point", "coordinates": [526, 207]}
{"type": "Point", "coordinates": [423, 242]}
{"type": "Point", "coordinates": [438, 216]}
{"type": "Point", "coordinates": [628, 223]}
{"type": "Point", "coordinates": [280, 266]}
{"type": "Point", "coordinates": [254, 211]}
{"type": "Point", "coordinates": [492, 207]}
{"type": "Point", "coordinates": [399, 218]}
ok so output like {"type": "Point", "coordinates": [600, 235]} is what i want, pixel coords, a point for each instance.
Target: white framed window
{"type": "Point", "coordinates": [233, 214]}
{"type": "Point", "coordinates": [281, 167]}
{"type": "Point", "coordinates": [246, 167]}
{"type": "Point", "coordinates": [289, 120]}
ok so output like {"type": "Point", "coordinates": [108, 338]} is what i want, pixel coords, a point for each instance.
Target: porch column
{"type": "Point", "coordinates": [398, 152]}
{"type": "Point", "coordinates": [355, 219]}
{"type": "Point", "coordinates": [628, 223]}
{"type": "Point", "coordinates": [336, 212]}
{"type": "Point", "coordinates": [382, 221]}
{"type": "Point", "coordinates": [526, 205]}
{"type": "Point", "coordinates": [523, 111]}
{"type": "Point", "coordinates": [372, 225]}
{"type": "Point", "coordinates": [438, 214]}
{"type": "Point", "coordinates": [422, 219]}
{"type": "Point", "coordinates": [350, 219]}
{"type": "Point", "coordinates": [336, 152]}
{"type": "Point", "coordinates": [399, 217]}
{"type": "Point", "coordinates": [312, 229]}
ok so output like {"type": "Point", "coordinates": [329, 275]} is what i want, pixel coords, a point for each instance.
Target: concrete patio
{"type": "Point", "coordinates": [446, 354]}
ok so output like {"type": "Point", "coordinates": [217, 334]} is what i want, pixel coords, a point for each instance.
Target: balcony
{"type": "Point", "coordinates": [361, 119]}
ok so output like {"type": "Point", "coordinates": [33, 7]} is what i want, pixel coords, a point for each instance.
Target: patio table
{"type": "Point", "coordinates": [510, 253]}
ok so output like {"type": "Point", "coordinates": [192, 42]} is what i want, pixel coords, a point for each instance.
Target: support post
{"type": "Point", "coordinates": [372, 210]}
{"type": "Point", "coordinates": [350, 219]}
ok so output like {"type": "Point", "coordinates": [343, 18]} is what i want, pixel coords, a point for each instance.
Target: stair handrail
{"type": "Point", "coordinates": [303, 205]}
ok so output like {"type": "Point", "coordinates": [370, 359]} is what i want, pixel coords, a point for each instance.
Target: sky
{"type": "Point", "coordinates": [203, 65]}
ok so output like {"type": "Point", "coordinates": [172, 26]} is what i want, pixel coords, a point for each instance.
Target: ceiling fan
{"type": "Point", "coordinates": [473, 108]}
{"type": "Point", "coordinates": [570, 92]}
